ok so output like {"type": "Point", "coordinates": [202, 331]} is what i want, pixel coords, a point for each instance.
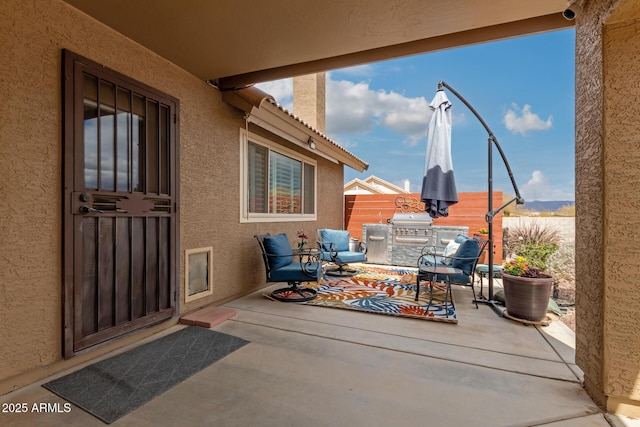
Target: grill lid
{"type": "Point", "coordinates": [417, 218]}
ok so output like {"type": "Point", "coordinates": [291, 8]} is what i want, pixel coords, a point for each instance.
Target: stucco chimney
{"type": "Point", "coordinates": [309, 99]}
{"type": "Point", "coordinates": [407, 185]}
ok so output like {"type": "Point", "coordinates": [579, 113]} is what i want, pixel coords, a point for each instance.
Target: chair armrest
{"type": "Point", "coordinates": [310, 266]}
{"type": "Point", "coordinates": [307, 253]}
{"type": "Point", "coordinates": [461, 258]}
{"type": "Point", "coordinates": [280, 255]}
{"type": "Point", "coordinates": [425, 257]}
{"type": "Point", "coordinates": [428, 250]}
{"type": "Point", "coordinates": [428, 258]}
{"type": "Point", "coordinates": [333, 249]}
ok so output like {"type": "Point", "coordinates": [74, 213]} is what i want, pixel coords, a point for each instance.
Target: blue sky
{"type": "Point", "coordinates": [524, 88]}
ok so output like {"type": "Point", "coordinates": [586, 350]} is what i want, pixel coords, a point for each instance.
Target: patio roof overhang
{"type": "Point", "coordinates": [238, 44]}
{"type": "Point", "coordinates": [261, 109]}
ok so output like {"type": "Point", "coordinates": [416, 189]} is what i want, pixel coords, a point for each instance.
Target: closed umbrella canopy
{"type": "Point", "coordinates": [439, 185]}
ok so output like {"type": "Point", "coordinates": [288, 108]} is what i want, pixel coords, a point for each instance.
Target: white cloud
{"type": "Point", "coordinates": [348, 107]}
{"type": "Point", "coordinates": [524, 121]}
{"type": "Point", "coordinates": [538, 188]}
{"type": "Point", "coordinates": [281, 90]}
{"type": "Point", "coordinates": [356, 108]}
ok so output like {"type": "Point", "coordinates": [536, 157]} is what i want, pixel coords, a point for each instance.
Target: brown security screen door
{"type": "Point", "coordinates": [120, 204]}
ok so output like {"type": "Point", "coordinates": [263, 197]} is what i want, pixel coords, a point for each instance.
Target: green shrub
{"type": "Point", "coordinates": [562, 263]}
{"type": "Point", "coordinates": [537, 254]}
{"type": "Point", "coordinates": [532, 241]}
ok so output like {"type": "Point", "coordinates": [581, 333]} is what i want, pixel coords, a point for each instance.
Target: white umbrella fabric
{"type": "Point", "coordinates": [439, 185]}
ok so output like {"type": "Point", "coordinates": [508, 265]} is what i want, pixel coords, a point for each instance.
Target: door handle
{"type": "Point", "coordinates": [86, 209]}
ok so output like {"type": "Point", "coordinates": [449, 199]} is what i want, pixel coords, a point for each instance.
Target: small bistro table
{"type": "Point", "coordinates": [430, 273]}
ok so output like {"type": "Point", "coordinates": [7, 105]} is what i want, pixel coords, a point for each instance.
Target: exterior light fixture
{"type": "Point", "coordinates": [572, 10]}
{"type": "Point", "coordinates": [312, 143]}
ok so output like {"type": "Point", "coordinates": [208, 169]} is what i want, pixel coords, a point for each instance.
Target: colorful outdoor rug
{"type": "Point", "coordinates": [384, 290]}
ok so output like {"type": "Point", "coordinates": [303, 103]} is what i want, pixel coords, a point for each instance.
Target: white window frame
{"type": "Point", "coordinates": [245, 215]}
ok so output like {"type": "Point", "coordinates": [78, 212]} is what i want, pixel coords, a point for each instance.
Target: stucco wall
{"type": "Point", "coordinates": [621, 177]}
{"type": "Point", "coordinates": [607, 173]}
{"type": "Point", "coordinates": [589, 190]}
{"type": "Point", "coordinates": [31, 41]}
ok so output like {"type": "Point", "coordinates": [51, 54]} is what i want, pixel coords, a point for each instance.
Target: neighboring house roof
{"type": "Point", "coordinates": [358, 186]}
{"type": "Point", "coordinates": [263, 110]}
{"type": "Point", "coordinates": [372, 185]}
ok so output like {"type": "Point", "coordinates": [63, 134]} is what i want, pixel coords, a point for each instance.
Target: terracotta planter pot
{"type": "Point", "coordinates": [525, 297]}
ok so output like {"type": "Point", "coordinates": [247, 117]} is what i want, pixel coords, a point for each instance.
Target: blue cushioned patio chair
{"type": "Point", "coordinates": [334, 247]}
{"type": "Point", "coordinates": [280, 265]}
{"type": "Point", "coordinates": [465, 259]}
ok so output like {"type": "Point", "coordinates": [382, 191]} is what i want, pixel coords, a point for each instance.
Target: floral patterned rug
{"type": "Point", "coordinates": [384, 290]}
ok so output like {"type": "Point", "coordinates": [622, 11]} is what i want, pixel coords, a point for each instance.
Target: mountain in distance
{"type": "Point", "coordinates": [545, 205]}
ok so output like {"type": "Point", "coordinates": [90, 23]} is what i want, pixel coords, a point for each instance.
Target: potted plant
{"type": "Point", "coordinates": [526, 289]}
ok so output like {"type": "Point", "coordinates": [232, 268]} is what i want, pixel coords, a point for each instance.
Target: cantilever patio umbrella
{"type": "Point", "coordinates": [438, 184]}
{"type": "Point", "coordinates": [492, 142]}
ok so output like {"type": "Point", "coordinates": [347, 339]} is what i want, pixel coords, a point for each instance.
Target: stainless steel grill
{"type": "Point", "coordinates": [417, 218]}
{"type": "Point", "coordinates": [414, 231]}
{"type": "Point", "coordinates": [411, 232]}
{"type": "Point", "coordinates": [400, 242]}
{"type": "Point", "coordinates": [411, 229]}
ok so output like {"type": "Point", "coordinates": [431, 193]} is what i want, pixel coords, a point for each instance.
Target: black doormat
{"type": "Point", "coordinates": [114, 387]}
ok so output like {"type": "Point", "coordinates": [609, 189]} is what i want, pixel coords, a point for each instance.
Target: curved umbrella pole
{"type": "Point", "coordinates": [490, 211]}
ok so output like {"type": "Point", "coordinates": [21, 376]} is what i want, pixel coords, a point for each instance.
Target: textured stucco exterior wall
{"type": "Point", "coordinates": [214, 201]}
{"type": "Point", "coordinates": [589, 200]}
{"type": "Point", "coordinates": [621, 177]}
{"type": "Point", "coordinates": [607, 172]}
{"type": "Point", "coordinates": [31, 41]}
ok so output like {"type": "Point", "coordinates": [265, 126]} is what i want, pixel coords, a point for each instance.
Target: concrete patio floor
{"type": "Point", "coordinates": [315, 366]}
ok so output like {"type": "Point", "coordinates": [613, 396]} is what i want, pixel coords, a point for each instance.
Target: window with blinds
{"type": "Point", "coordinates": [279, 184]}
